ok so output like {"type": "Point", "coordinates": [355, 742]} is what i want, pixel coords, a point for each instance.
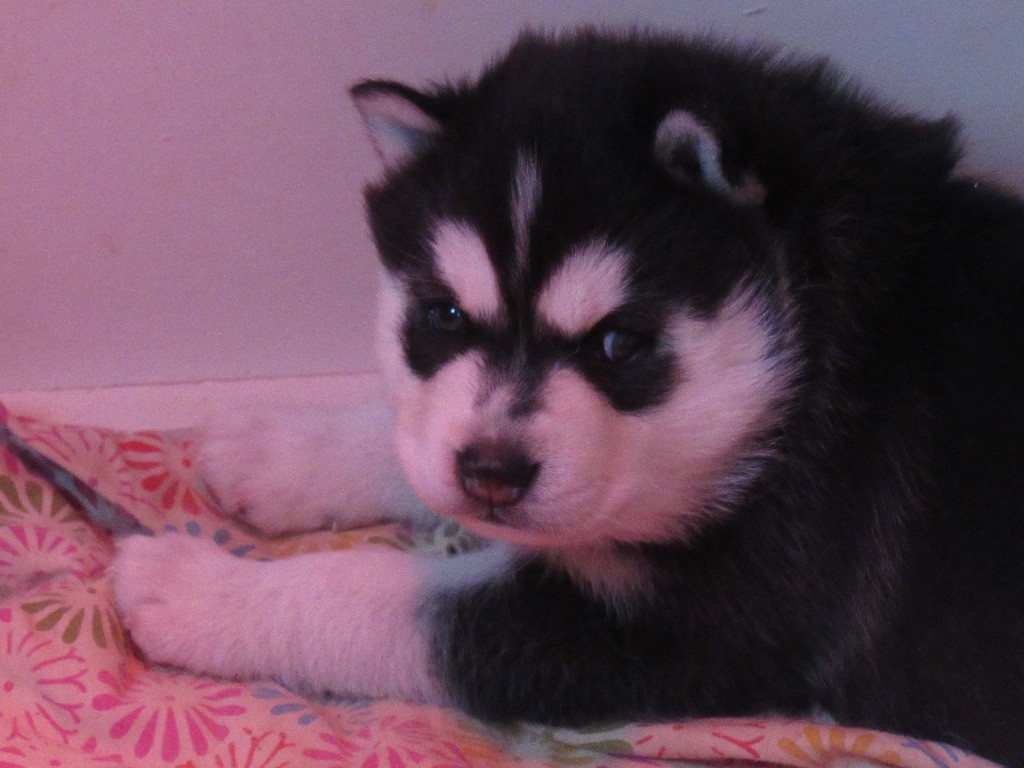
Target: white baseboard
{"type": "Point", "coordinates": [171, 406]}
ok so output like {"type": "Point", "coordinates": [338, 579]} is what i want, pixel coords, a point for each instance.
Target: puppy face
{"type": "Point", "coordinates": [581, 321]}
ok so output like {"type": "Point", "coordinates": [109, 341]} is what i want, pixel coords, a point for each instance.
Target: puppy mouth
{"type": "Point", "coordinates": [495, 499]}
{"type": "Point", "coordinates": [493, 513]}
{"type": "Point", "coordinates": [494, 475]}
{"type": "Point", "coordinates": [509, 522]}
{"type": "Point", "coordinates": [496, 503]}
{"type": "Point", "coordinates": [516, 524]}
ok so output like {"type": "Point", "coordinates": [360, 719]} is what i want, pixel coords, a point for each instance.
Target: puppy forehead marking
{"type": "Point", "coordinates": [467, 269]}
{"type": "Point", "coordinates": [526, 188]}
{"type": "Point", "coordinates": [589, 284]}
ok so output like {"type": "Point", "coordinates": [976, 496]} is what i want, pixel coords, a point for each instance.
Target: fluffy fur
{"type": "Point", "coordinates": [726, 354]}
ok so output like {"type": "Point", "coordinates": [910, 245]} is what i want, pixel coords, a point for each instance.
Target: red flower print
{"type": "Point", "coordinates": [34, 751]}
{"type": "Point", "coordinates": [396, 739]}
{"type": "Point", "coordinates": [270, 749]}
{"type": "Point", "coordinates": [31, 552]}
{"type": "Point", "coordinates": [165, 471]}
{"type": "Point", "coordinates": [336, 750]}
{"type": "Point", "coordinates": [9, 462]}
{"type": "Point", "coordinates": [167, 713]}
{"type": "Point", "coordinates": [41, 686]}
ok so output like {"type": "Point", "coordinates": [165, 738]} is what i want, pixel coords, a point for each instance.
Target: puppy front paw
{"type": "Point", "coordinates": [258, 466]}
{"type": "Point", "coordinates": [173, 593]}
{"type": "Point", "coordinates": [290, 471]}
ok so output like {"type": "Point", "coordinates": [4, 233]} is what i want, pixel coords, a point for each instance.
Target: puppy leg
{"type": "Point", "coordinates": [347, 622]}
{"type": "Point", "coordinates": [303, 469]}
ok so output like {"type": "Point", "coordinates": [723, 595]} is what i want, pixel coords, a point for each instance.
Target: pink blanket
{"type": "Point", "coordinates": [73, 692]}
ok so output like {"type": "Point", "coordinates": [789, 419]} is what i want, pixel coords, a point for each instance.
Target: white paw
{"type": "Point", "coordinates": [172, 592]}
{"type": "Point", "coordinates": [286, 471]}
{"type": "Point", "coordinates": [259, 466]}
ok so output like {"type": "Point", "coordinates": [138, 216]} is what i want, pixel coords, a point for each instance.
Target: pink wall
{"type": "Point", "coordinates": [179, 190]}
{"type": "Point", "coordinates": [180, 181]}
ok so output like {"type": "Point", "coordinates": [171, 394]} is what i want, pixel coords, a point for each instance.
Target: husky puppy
{"type": "Point", "coordinates": [721, 357]}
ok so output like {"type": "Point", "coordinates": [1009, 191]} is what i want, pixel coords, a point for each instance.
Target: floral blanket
{"type": "Point", "coordinates": [74, 693]}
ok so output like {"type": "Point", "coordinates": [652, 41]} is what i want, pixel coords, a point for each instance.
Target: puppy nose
{"type": "Point", "coordinates": [495, 474]}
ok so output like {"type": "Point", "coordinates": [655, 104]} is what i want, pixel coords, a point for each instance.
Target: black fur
{"type": "Point", "coordinates": [875, 566]}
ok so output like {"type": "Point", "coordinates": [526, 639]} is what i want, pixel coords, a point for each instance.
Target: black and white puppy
{"type": "Point", "coordinates": [723, 359]}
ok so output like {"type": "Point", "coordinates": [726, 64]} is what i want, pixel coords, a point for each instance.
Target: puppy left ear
{"type": "Point", "coordinates": [401, 121]}
{"type": "Point", "coordinates": [689, 151]}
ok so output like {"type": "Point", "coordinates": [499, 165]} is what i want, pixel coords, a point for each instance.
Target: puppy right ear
{"type": "Point", "coordinates": [399, 119]}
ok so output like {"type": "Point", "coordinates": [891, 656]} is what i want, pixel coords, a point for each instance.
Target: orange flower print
{"type": "Point", "coordinates": [820, 745]}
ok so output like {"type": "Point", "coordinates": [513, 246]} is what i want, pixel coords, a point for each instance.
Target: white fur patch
{"type": "Point", "coordinates": [526, 189]}
{"type": "Point", "coordinates": [300, 469]}
{"type": "Point", "coordinates": [436, 419]}
{"type": "Point", "coordinates": [694, 448]}
{"type": "Point", "coordinates": [466, 268]}
{"type": "Point", "coordinates": [589, 284]}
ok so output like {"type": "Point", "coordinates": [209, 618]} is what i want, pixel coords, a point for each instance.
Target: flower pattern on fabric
{"type": "Point", "coordinates": [42, 535]}
{"type": "Point", "coordinates": [166, 714]}
{"type": "Point", "coordinates": [24, 498]}
{"type": "Point", "coordinates": [30, 552]}
{"type": "Point", "coordinates": [818, 745]}
{"type": "Point", "coordinates": [166, 472]}
{"type": "Point", "coordinates": [34, 751]}
{"type": "Point", "coordinates": [389, 535]}
{"type": "Point", "coordinates": [284, 703]}
{"type": "Point", "coordinates": [9, 463]}
{"type": "Point", "coordinates": [398, 734]}
{"type": "Point", "coordinates": [73, 694]}
{"type": "Point", "coordinates": [42, 684]}
{"type": "Point", "coordinates": [269, 749]}
{"type": "Point", "coordinates": [76, 611]}
{"type": "Point", "coordinates": [94, 453]}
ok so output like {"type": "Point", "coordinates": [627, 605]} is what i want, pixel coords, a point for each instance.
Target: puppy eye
{"type": "Point", "coordinates": [618, 346]}
{"type": "Point", "coordinates": [446, 318]}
